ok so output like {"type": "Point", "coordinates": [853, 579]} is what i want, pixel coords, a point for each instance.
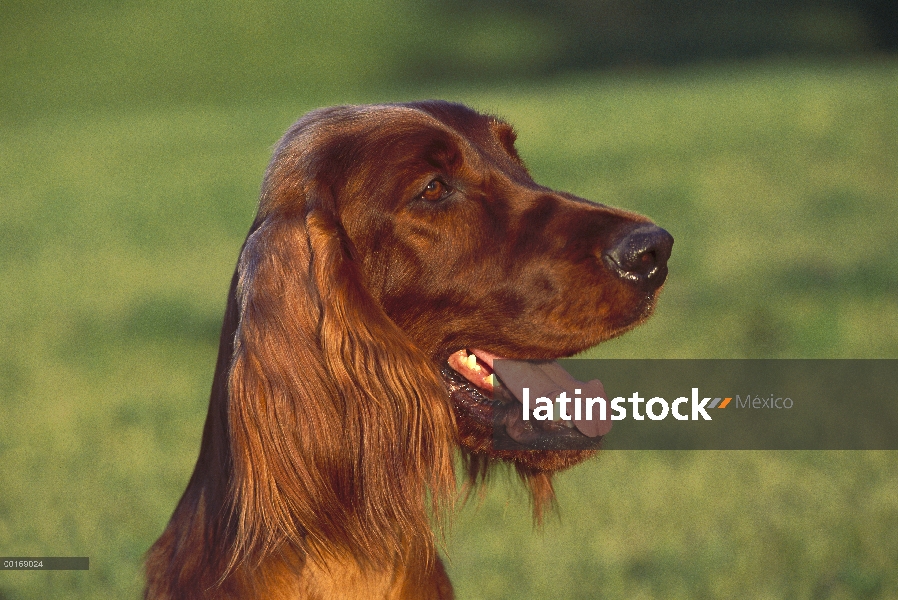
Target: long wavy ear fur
{"type": "Point", "coordinates": [340, 428]}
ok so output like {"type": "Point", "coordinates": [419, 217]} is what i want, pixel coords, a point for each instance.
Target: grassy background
{"type": "Point", "coordinates": [133, 138]}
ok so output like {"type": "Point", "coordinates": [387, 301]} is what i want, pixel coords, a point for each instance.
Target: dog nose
{"type": "Point", "coordinates": [641, 255]}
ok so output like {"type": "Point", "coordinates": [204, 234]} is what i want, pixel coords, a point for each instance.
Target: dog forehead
{"type": "Point", "coordinates": [371, 119]}
{"type": "Point", "coordinates": [337, 133]}
{"type": "Point", "coordinates": [453, 115]}
{"type": "Point", "coordinates": [327, 145]}
{"type": "Point", "coordinates": [371, 123]}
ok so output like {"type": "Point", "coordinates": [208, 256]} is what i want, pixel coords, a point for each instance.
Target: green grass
{"type": "Point", "coordinates": [120, 226]}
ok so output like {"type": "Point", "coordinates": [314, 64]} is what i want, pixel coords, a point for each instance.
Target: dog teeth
{"type": "Point", "coordinates": [471, 363]}
{"type": "Point", "coordinates": [491, 379]}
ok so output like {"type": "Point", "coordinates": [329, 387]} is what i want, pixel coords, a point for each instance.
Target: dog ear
{"type": "Point", "coordinates": [340, 427]}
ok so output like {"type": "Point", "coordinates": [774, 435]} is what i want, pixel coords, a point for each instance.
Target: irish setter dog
{"type": "Point", "coordinates": [391, 242]}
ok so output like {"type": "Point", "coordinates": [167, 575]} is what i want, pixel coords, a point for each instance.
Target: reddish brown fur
{"type": "Point", "coordinates": [330, 435]}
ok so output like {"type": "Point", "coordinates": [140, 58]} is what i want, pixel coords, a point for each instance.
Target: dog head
{"type": "Point", "coordinates": [389, 240]}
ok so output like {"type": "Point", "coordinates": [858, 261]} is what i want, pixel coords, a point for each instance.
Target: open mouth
{"type": "Point", "coordinates": [476, 366]}
{"type": "Point", "coordinates": [491, 390]}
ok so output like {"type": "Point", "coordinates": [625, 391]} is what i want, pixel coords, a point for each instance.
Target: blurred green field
{"type": "Point", "coordinates": [120, 227]}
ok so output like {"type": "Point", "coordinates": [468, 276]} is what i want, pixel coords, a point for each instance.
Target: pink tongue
{"type": "Point", "coordinates": [548, 379]}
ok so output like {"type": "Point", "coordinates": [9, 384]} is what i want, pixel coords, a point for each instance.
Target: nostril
{"type": "Point", "coordinates": [647, 259]}
{"type": "Point", "coordinates": [641, 255]}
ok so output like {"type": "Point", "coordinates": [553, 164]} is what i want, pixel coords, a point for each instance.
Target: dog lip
{"type": "Point", "coordinates": [468, 398]}
{"type": "Point", "coordinates": [496, 407]}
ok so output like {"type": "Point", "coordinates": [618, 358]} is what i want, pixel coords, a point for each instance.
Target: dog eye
{"type": "Point", "coordinates": [435, 190]}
